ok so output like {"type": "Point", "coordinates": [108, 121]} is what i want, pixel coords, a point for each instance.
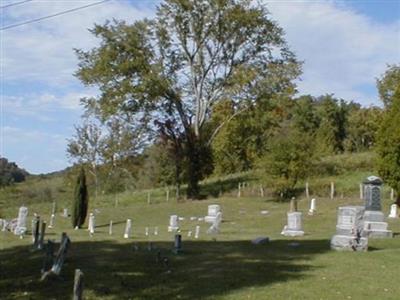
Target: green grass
{"type": "Point", "coordinates": [229, 267]}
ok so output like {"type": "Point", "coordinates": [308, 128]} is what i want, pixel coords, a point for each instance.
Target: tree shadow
{"type": "Point", "coordinates": [121, 271]}
{"type": "Point", "coordinates": [223, 186]}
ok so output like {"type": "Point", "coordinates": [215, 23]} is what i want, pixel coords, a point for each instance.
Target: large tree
{"type": "Point", "coordinates": [175, 68]}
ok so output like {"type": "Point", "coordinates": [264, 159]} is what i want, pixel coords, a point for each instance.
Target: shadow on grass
{"type": "Point", "coordinates": [117, 271]}
{"type": "Point", "coordinates": [222, 186]}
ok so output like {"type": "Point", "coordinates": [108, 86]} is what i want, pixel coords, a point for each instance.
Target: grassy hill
{"type": "Point", "coordinates": [226, 266]}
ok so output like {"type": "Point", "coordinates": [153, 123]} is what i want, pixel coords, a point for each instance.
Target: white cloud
{"type": "Point", "coordinates": [43, 51]}
{"type": "Point", "coordinates": [343, 51]}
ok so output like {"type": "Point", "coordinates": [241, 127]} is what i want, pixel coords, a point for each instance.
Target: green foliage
{"type": "Point", "coordinates": [289, 159]}
{"type": "Point", "coordinates": [388, 83]}
{"type": "Point", "coordinates": [81, 201]}
{"type": "Point", "coordinates": [10, 173]}
{"type": "Point", "coordinates": [388, 144]}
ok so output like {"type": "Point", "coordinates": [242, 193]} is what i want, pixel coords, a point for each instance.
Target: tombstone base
{"type": "Point", "coordinates": [377, 230]}
{"type": "Point", "coordinates": [171, 228]}
{"type": "Point", "coordinates": [392, 216]}
{"type": "Point", "coordinates": [210, 219]}
{"type": "Point", "coordinates": [349, 243]}
{"type": "Point", "coordinates": [291, 232]}
{"type": "Point", "coordinates": [373, 216]}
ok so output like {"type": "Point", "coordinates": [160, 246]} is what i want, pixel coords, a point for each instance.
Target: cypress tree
{"type": "Point", "coordinates": [81, 199]}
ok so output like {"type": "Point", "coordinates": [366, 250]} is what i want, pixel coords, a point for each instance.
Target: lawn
{"type": "Point", "coordinates": [226, 266]}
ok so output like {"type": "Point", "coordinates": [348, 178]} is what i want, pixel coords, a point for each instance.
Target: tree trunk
{"type": "Point", "coordinates": [398, 199]}
{"type": "Point", "coordinates": [194, 169]}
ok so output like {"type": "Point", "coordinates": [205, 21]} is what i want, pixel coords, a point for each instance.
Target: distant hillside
{"type": "Point", "coordinates": [10, 172]}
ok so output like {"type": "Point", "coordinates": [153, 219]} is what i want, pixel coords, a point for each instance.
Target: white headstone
{"type": "Point", "coordinates": [155, 230]}
{"type": "Point", "coordinates": [294, 226]}
{"type": "Point", "coordinates": [393, 211]}
{"type": "Point", "coordinates": [128, 229]}
{"type": "Point", "coordinates": [146, 231]}
{"type": "Point", "coordinates": [20, 229]}
{"type": "Point", "coordinates": [173, 223]}
{"type": "Point", "coordinates": [197, 232]}
{"type": "Point", "coordinates": [214, 229]}
{"type": "Point", "coordinates": [52, 219]}
{"type": "Point", "coordinates": [313, 207]}
{"type": "Point", "coordinates": [65, 212]}
{"type": "Point", "coordinates": [92, 223]}
{"type": "Point", "coordinates": [189, 233]}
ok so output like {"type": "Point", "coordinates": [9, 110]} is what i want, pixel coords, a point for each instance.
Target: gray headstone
{"type": "Point", "coordinates": [372, 193]}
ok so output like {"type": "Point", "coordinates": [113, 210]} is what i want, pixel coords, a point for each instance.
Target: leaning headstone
{"type": "Point", "coordinates": [197, 232]}
{"type": "Point", "coordinates": [349, 230]}
{"type": "Point", "coordinates": [374, 225]}
{"type": "Point", "coordinates": [78, 285]}
{"type": "Point", "coordinates": [393, 211]}
{"type": "Point", "coordinates": [313, 207]}
{"type": "Point", "coordinates": [128, 229]}
{"type": "Point", "coordinates": [60, 257]}
{"type": "Point", "coordinates": [20, 229]}
{"type": "Point", "coordinates": [212, 212]}
{"type": "Point", "coordinates": [173, 223]}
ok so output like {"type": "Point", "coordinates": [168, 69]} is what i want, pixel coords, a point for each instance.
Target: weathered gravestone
{"type": "Point", "coordinates": [374, 225]}
{"type": "Point", "coordinates": [313, 207]}
{"type": "Point", "coordinates": [212, 212]}
{"type": "Point", "coordinates": [349, 230]}
{"type": "Point", "coordinates": [52, 219]}
{"type": "Point", "coordinates": [128, 229]}
{"type": "Point", "coordinates": [294, 225]}
{"type": "Point", "coordinates": [78, 285]}
{"type": "Point", "coordinates": [92, 223]}
{"type": "Point", "coordinates": [177, 243]}
{"type": "Point", "coordinates": [214, 228]}
{"type": "Point", "coordinates": [393, 211]}
{"type": "Point", "coordinates": [20, 229]}
{"type": "Point", "coordinates": [173, 223]}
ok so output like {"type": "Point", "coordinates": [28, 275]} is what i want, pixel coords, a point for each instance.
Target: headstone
{"type": "Point", "coordinates": [374, 225]}
{"type": "Point", "coordinates": [54, 208]}
{"type": "Point", "coordinates": [155, 230]}
{"type": "Point", "coordinates": [294, 225]}
{"type": "Point", "coordinates": [65, 212]}
{"type": "Point", "coordinates": [110, 228]}
{"type": "Point", "coordinates": [42, 234]}
{"type": "Point", "coordinates": [178, 243]}
{"type": "Point", "coordinates": [293, 205]}
{"type": "Point", "coordinates": [60, 257]}
{"type": "Point", "coordinates": [35, 231]}
{"type": "Point", "coordinates": [313, 207]}
{"type": "Point", "coordinates": [393, 211]}
{"type": "Point", "coordinates": [214, 229]}
{"type": "Point", "coordinates": [20, 229]}
{"type": "Point", "coordinates": [264, 212]}
{"type": "Point", "coordinates": [197, 232]}
{"type": "Point", "coordinates": [92, 223]}
{"type": "Point", "coordinates": [4, 225]}
{"type": "Point", "coordinates": [146, 231]}
{"type": "Point", "coordinates": [173, 223]}
{"type": "Point", "coordinates": [189, 233]}
{"type": "Point", "coordinates": [128, 229]}
{"type": "Point", "coordinates": [349, 230]}
{"type": "Point", "coordinates": [213, 210]}
{"type": "Point", "coordinates": [52, 219]}
{"type": "Point", "coordinates": [260, 240]}
{"type": "Point", "coordinates": [78, 285]}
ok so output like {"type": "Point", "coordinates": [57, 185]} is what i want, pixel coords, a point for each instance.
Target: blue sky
{"type": "Point", "coordinates": [345, 45]}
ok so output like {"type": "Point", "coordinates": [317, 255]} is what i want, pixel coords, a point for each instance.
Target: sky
{"type": "Point", "coordinates": [345, 46]}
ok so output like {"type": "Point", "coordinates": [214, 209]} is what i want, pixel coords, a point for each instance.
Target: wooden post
{"type": "Point", "coordinates": [307, 191]}
{"type": "Point", "coordinates": [167, 196]}
{"type": "Point", "coordinates": [239, 190]}
{"type": "Point", "coordinates": [110, 228]}
{"type": "Point", "coordinates": [54, 208]}
{"type": "Point", "coordinates": [392, 195]}
{"type": "Point", "coordinates": [332, 190]}
{"type": "Point", "coordinates": [293, 205]}
{"type": "Point", "coordinates": [261, 191]}
{"type": "Point", "coordinates": [78, 285]}
{"type": "Point", "coordinates": [148, 198]}
{"type": "Point", "coordinates": [35, 231]}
